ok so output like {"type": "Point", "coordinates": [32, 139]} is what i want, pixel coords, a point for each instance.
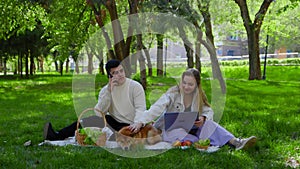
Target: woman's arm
{"type": "Point", "coordinates": [207, 112]}
{"type": "Point", "coordinates": [157, 108]}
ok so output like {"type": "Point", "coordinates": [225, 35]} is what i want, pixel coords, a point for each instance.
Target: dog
{"type": "Point", "coordinates": [147, 135]}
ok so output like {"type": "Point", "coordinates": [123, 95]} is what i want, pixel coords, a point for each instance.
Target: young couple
{"type": "Point", "coordinates": [124, 100]}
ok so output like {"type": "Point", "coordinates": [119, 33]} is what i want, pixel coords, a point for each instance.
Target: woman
{"type": "Point", "coordinates": [189, 96]}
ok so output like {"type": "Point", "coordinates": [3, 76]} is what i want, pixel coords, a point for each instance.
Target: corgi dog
{"type": "Point", "coordinates": [147, 134]}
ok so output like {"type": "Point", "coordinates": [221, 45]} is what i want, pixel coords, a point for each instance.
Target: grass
{"type": "Point", "coordinates": [269, 109]}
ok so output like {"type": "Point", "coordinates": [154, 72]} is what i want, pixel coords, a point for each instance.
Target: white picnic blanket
{"type": "Point", "coordinates": [109, 144]}
{"type": "Point", "coordinates": [113, 144]}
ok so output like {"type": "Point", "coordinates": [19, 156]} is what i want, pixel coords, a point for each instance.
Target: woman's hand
{"type": "Point", "coordinates": [200, 121]}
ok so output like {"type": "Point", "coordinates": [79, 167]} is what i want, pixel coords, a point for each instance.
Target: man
{"type": "Point", "coordinates": [122, 99]}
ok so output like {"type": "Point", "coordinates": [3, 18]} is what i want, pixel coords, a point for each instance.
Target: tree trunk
{"type": "Point", "coordinates": [99, 20]}
{"type": "Point", "coordinates": [188, 47]}
{"type": "Point", "coordinates": [143, 74]}
{"type": "Point", "coordinates": [26, 66]}
{"type": "Point", "coordinates": [99, 16]}
{"type": "Point", "coordinates": [32, 65]}
{"type": "Point", "coordinates": [90, 63]}
{"type": "Point", "coordinates": [1, 64]}
{"type": "Point", "coordinates": [119, 43]}
{"type": "Point", "coordinates": [61, 67]}
{"type": "Point", "coordinates": [67, 65]}
{"type": "Point", "coordinates": [100, 58]}
{"type": "Point", "coordinates": [254, 60]}
{"type": "Point", "coordinates": [189, 54]}
{"type": "Point", "coordinates": [56, 66]}
{"type": "Point", "coordinates": [159, 60]}
{"type": "Point", "coordinates": [101, 67]}
{"type": "Point", "coordinates": [16, 67]}
{"type": "Point", "coordinates": [149, 64]}
{"type": "Point", "coordinates": [77, 67]}
{"type": "Point", "coordinates": [20, 65]}
{"type": "Point", "coordinates": [4, 67]}
{"type": "Point", "coordinates": [198, 55]}
{"type": "Point", "coordinates": [41, 63]}
{"type": "Point", "coordinates": [121, 49]}
{"type": "Point", "coordinates": [209, 44]}
{"type": "Point", "coordinates": [55, 53]}
{"type": "Point", "coordinates": [133, 4]}
{"type": "Point", "coordinates": [253, 31]}
{"type": "Point", "coordinates": [38, 64]}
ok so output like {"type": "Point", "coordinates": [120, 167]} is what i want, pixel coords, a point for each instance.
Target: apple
{"type": "Point", "coordinates": [188, 142]}
{"type": "Point", "coordinates": [183, 143]}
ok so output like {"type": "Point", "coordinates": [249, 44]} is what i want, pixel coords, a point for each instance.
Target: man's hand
{"type": "Point", "coordinates": [135, 127]}
{"type": "Point", "coordinates": [112, 82]}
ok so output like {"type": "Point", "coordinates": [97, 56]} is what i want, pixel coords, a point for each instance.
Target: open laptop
{"type": "Point", "coordinates": [175, 120]}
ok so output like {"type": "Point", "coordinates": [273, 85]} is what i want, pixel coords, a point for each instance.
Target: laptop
{"type": "Point", "coordinates": [175, 120]}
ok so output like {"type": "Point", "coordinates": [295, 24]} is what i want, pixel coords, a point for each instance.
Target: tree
{"type": "Point", "coordinates": [121, 47]}
{"type": "Point", "coordinates": [209, 43]}
{"type": "Point", "coordinates": [253, 30]}
{"type": "Point", "coordinates": [186, 10]}
{"type": "Point", "coordinates": [133, 4]}
{"type": "Point", "coordinates": [67, 31]}
{"type": "Point", "coordinates": [20, 21]}
{"type": "Point", "coordinates": [94, 47]}
{"type": "Point", "coordinates": [17, 17]}
{"type": "Point", "coordinates": [282, 29]}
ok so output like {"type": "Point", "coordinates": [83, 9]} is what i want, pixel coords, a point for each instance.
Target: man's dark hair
{"type": "Point", "coordinates": [111, 64]}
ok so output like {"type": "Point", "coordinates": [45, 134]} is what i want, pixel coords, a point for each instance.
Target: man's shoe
{"type": "Point", "coordinates": [49, 133]}
{"type": "Point", "coordinates": [244, 143]}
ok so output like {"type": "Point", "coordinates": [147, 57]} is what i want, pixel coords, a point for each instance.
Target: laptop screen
{"type": "Point", "coordinates": [185, 120]}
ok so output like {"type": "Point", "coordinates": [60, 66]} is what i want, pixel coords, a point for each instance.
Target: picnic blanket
{"type": "Point", "coordinates": [109, 144]}
{"type": "Point", "coordinates": [113, 144]}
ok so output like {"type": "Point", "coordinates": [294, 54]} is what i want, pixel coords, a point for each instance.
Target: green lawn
{"type": "Point", "coordinates": [269, 109]}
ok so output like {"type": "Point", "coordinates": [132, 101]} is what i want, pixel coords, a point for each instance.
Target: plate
{"type": "Point", "coordinates": [184, 147]}
{"type": "Point", "coordinates": [210, 149]}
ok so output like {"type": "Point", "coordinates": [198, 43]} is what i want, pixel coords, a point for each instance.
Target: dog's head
{"type": "Point", "coordinates": [125, 142]}
{"type": "Point", "coordinates": [124, 138]}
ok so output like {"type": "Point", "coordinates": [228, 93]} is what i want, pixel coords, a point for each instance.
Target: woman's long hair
{"type": "Point", "coordinates": [202, 99]}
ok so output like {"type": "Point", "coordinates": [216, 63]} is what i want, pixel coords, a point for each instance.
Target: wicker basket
{"type": "Point", "coordinates": [202, 147]}
{"type": "Point", "coordinates": [81, 137]}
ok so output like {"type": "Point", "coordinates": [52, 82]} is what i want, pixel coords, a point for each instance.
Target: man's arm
{"type": "Point", "coordinates": [139, 102]}
{"type": "Point", "coordinates": [104, 100]}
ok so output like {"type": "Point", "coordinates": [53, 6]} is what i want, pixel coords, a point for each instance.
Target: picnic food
{"type": "Point", "coordinates": [186, 143]}
{"type": "Point", "coordinates": [92, 135]}
{"type": "Point", "coordinates": [177, 143]}
{"type": "Point", "coordinates": [202, 144]}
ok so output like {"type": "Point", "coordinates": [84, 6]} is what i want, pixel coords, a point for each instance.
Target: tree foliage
{"type": "Point", "coordinates": [66, 25]}
{"type": "Point", "coordinates": [18, 16]}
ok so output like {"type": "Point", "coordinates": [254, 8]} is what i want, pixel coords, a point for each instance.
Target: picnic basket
{"type": "Point", "coordinates": [80, 138]}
